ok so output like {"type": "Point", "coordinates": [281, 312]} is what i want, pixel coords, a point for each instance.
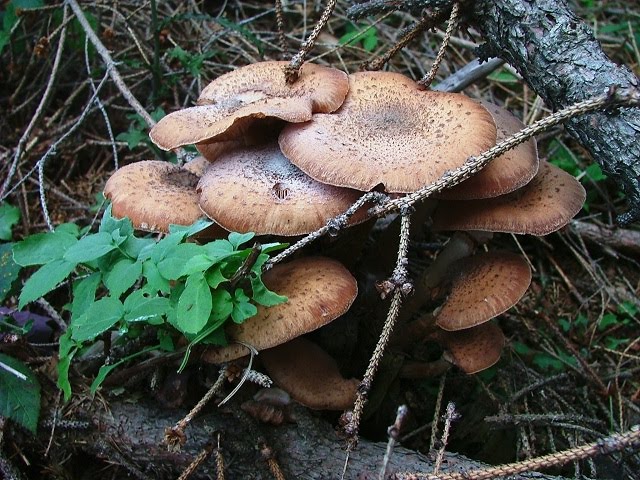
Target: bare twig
{"type": "Point", "coordinates": [607, 445]}
{"type": "Point", "coordinates": [43, 103]}
{"type": "Point", "coordinates": [453, 23]}
{"type": "Point", "coordinates": [394, 434]}
{"type": "Point", "coordinates": [449, 417]}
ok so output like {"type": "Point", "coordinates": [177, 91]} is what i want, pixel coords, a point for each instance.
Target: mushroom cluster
{"type": "Point", "coordinates": [283, 159]}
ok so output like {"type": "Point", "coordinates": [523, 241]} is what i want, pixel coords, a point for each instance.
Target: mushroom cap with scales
{"type": "Point", "coordinates": [482, 287]}
{"type": "Point", "coordinates": [154, 194]}
{"type": "Point", "coordinates": [230, 103]}
{"type": "Point", "coordinates": [544, 205]}
{"type": "Point", "coordinates": [506, 173]}
{"type": "Point", "coordinates": [258, 190]}
{"type": "Point", "coordinates": [392, 131]}
{"type": "Point", "coordinates": [474, 349]}
{"type": "Point", "coordinates": [318, 289]}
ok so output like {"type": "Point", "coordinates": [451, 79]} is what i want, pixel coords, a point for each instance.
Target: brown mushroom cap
{"type": "Point", "coordinates": [309, 375]}
{"type": "Point", "coordinates": [482, 287]}
{"type": "Point", "coordinates": [391, 131]}
{"type": "Point", "coordinates": [153, 195]}
{"type": "Point", "coordinates": [229, 104]}
{"type": "Point", "coordinates": [506, 173]}
{"type": "Point", "coordinates": [197, 166]}
{"type": "Point", "coordinates": [544, 205]}
{"type": "Point", "coordinates": [474, 349]}
{"type": "Point", "coordinates": [258, 190]}
{"type": "Point", "coordinates": [318, 289]}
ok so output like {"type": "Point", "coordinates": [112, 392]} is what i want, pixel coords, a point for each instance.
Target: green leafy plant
{"type": "Point", "coordinates": [191, 62]}
{"type": "Point", "coordinates": [354, 34]}
{"type": "Point", "coordinates": [127, 282]}
{"type": "Point", "coordinates": [20, 393]}
{"type": "Point", "coordinates": [138, 130]}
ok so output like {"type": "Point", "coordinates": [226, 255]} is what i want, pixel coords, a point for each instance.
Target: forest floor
{"type": "Point", "coordinates": [570, 370]}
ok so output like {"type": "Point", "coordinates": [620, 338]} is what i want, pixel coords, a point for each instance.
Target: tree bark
{"type": "Point", "coordinates": [130, 435]}
{"type": "Point", "coordinates": [559, 57]}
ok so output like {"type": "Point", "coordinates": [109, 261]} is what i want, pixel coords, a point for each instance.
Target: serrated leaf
{"type": "Point", "coordinates": [263, 295]}
{"type": "Point", "coordinates": [69, 228]}
{"type": "Point", "coordinates": [236, 239]}
{"type": "Point", "coordinates": [139, 306]}
{"type": "Point", "coordinates": [122, 276]}
{"type": "Point", "coordinates": [42, 248]}
{"type": "Point", "coordinates": [98, 318]}
{"type": "Point", "coordinates": [90, 248]}
{"type": "Point", "coordinates": [9, 216]}
{"type": "Point", "coordinates": [19, 395]}
{"type": "Point", "coordinates": [66, 351]}
{"type": "Point", "coordinates": [176, 258]}
{"type": "Point", "coordinates": [84, 293]}
{"type": "Point", "coordinates": [215, 277]}
{"type": "Point", "coordinates": [8, 269]}
{"type": "Point", "coordinates": [159, 251]}
{"type": "Point", "coordinates": [194, 305]}
{"type": "Point", "coordinates": [44, 280]}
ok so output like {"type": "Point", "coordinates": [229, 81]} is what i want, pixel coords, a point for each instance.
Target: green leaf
{"type": "Point", "coordinates": [139, 306]}
{"type": "Point", "coordinates": [68, 228]}
{"type": "Point", "coordinates": [370, 42]}
{"type": "Point", "coordinates": [122, 276]}
{"type": "Point", "coordinates": [106, 369]}
{"type": "Point", "coordinates": [607, 321]}
{"type": "Point", "coordinates": [84, 294]}
{"type": "Point", "coordinates": [44, 280]}
{"type": "Point", "coordinates": [42, 248]}
{"type": "Point", "coordinates": [9, 216]}
{"type": "Point", "coordinates": [133, 137]}
{"type": "Point", "coordinates": [108, 224]}
{"type": "Point", "coordinates": [19, 395]}
{"type": "Point", "coordinates": [190, 230]}
{"type": "Point", "coordinates": [222, 305]}
{"type": "Point", "coordinates": [219, 249]}
{"type": "Point", "coordinates": [90, 248]}
{"type": "Point", "coordinates": [263, 295]}
{"type": "Point", "coordinates": [8, 269]}
{"type": "Point", "coordinates": [134, 246]}
{"type": "Point", "coordinates": [159, 251]}
{"type": "Point", "coordinates": [198, 263]}
{"type": "Point", "coordinates": [99, 317]}
{"type": "Point", "coordinates": [215, 277]}
{"type": "Point", "coordinates": [595, 172]}
{"type": "Point", "coordinates": [242, 308]}
{"type": "Point", "coordinates": [176, 258]}
{"type": "Point", "coordinates": [155, 281]}
{"type": "Point", "coordinates": [194, 305]}
{"type": "Point", "coordinates": [66, 351]}
{"type": "Point", "coordinates": [237, 239]}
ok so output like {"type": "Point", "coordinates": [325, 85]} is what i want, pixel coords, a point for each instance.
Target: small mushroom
{"type": "Point", "coordinates": [309, 375]}
{"type": "Point", "coordinates": [318, 289]}
{"type": "Point", "coordinates": [482, 287]}
{"type": "Point", "coordinates": [544, 205]}
{"type": "Point", "coordinates": [506, 173]}
{"type": "Point", "coordinates": [153, 195]}
{"type": "Point", "coordinates": [258, 190]}
{"type": "Point", "coordinates": [230, 104]}
{"type": "Point", "coordinates": [392, 131]}
{"type": "Point", "coordinates": [474, 349]}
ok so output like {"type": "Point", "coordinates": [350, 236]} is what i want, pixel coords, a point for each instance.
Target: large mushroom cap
{"type": "Point", "coordinates": [318, 289]}
{"type": "Point", "coordinates": [474, 349]}
{"type": "Point", "coordinates": [236, 99]}
{"type": "Point", "coordinates": [258, 190]}
{"type": "Point", "coordinates": [391, 131]}
{"type": "Point", "coordinates": [506, 173]}
{"type": "Point", "coordinates": [309, 375]}
{"type": "Point", "coordinates": [153, 195]}
{"type": "Point", "coordinates": [544, 205]}
{"type": "Point", "coordinates": [482, 287]}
